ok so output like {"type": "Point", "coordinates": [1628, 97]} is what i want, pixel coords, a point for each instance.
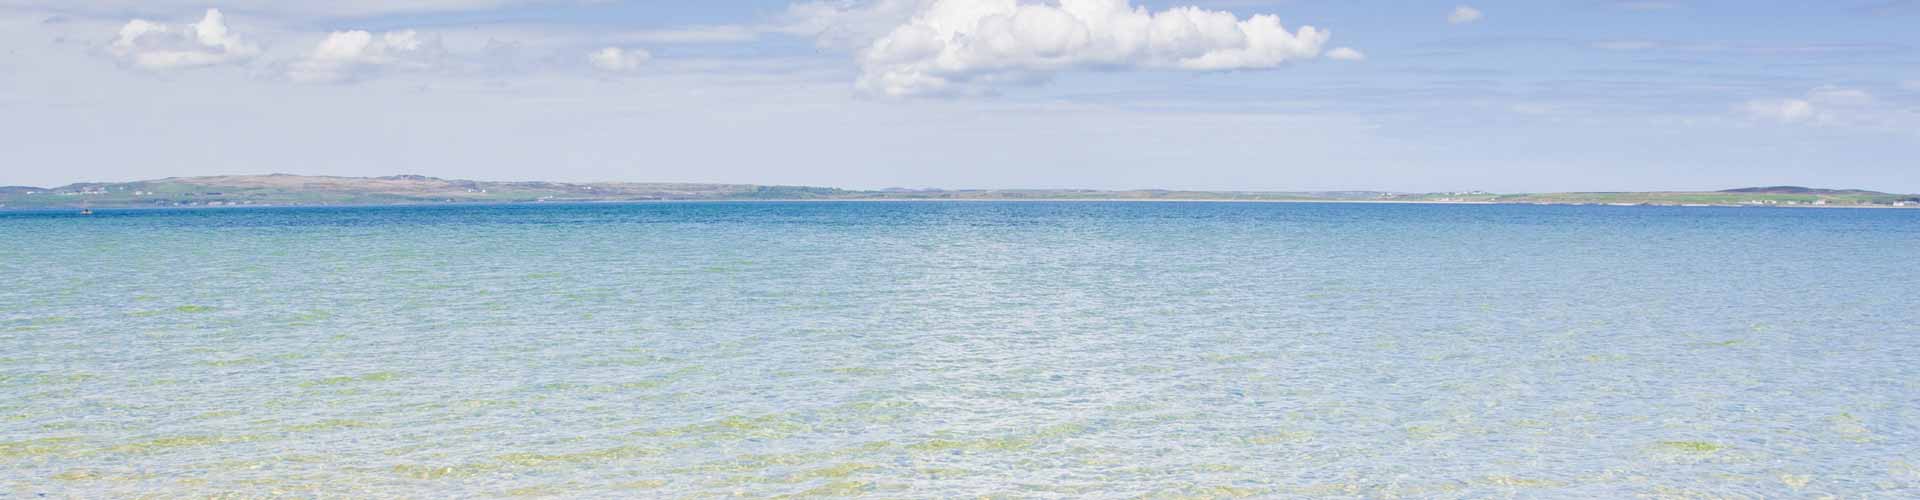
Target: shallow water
{"type": "Point", "coordinates": [1016, 350]}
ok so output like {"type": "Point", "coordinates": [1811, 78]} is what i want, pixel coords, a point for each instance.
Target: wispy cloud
{"type": "Point", "coordinates": [1825, 105]}
{"type": "Point", "coordinates": [1751, 48]}
{"type": "Point", "coordinates": [696, 35]}
{"type": "Point", "coordinates": [1346, 54]}
{"type": "Point", "coordinates": [1626, 45]}
{"type": "Point", "coordinates": [619, 59]}
{"type": "Point", "coordinates": [1892, 8]}
{"type": "Point", "coordinates": [1645, 4]}
{"type": "Point", "coordinates": [846, 24]}
{"type": "Point", "coordinates": [280, 8]}
{"type": "Point", "coordinates": [1531, 108]}
{"type": "Point", "coordinates": [1464, 14]}
{"type": "Point", "coordinates": [1780, 110]}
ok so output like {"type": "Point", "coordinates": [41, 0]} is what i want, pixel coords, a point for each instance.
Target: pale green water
{"type": "Point", "coordinates": [935, 350]}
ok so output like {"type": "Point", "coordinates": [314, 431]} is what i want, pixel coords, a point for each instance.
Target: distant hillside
{"type": "Point", "coordinates": [290, 190]}
{"type": "Point", "coordinates": [1739, 197]}
{"type": "Point", "coordinates": [1802, 190]}
{"type": "Point", "coordinates": [283, 189]}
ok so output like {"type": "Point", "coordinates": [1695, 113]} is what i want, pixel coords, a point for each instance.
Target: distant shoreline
{"type": "Point", "coordinates": [911, 200]}
{"type": "Point", "coordinates": [283, 190]}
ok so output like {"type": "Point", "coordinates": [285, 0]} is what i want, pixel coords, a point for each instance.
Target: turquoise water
{"type": "Point", "coordinates": [935, 350]}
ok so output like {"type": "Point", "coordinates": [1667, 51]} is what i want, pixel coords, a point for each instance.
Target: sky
{"type": "Point", "coordinates": [1288, 95]}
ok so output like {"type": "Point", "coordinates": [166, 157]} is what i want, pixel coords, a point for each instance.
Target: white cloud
{"type": "Point", "coordinates": [1826, 105]}
{"type": "Point", "coordinates": [1346, 54]}
{"type": "Point", "coordinates": [156, 46]}
{"type": "Point", "coordinates": [965, 46]}
{"type": "Point", "coordinates": [345, 55]}
{"type": "Point", "coordinates": [1464, 14]}
{"type": "Point", "coordinates": [1913, 85]}
{"type": "Point", "coordinates": [616, 59]}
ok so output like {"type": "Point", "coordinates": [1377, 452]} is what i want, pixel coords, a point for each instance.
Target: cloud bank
{"type": "Point", "coordinates": [967, 46]}
{"type": "Point", "coordinates": [149, 45]}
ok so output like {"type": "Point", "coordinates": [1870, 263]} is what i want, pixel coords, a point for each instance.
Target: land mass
{"type": "Point", "coordinates": [299, 190]}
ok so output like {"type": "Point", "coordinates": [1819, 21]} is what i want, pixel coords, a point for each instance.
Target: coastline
{"type": "Point", "coordinates": [6, 209]}
{"type": "Point", "coordinates": [287, 190]}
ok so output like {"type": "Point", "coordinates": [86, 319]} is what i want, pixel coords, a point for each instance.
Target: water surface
{"type": "Point", "coordinates": [935, 350]}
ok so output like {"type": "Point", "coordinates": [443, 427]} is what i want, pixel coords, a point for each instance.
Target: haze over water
{"type": "Point", "coordinates": [934, 350]}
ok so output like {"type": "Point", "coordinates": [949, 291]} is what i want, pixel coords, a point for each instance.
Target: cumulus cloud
{"type": "Point", "coordinates": [965, 46]}
{"type": "Point", "coordinates": [1823, 105]}
{"type": "Point", "coordinates": [1464, 14]}
{"type": "Point", "coordinates": [619, 60]}
{"type": "Point", "coordinates": [346, 55]}
{"type": "Point", "coordinates": [1346, 54]}
{"type": "Point", "coordinates": [157, 46]}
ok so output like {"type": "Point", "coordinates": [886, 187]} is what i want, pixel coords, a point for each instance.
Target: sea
{"type": "Point", "coordinates": [961, 349]}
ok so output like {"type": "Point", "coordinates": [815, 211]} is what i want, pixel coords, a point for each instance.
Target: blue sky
{"type": "Point", "coordinates": [1405, 95]}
